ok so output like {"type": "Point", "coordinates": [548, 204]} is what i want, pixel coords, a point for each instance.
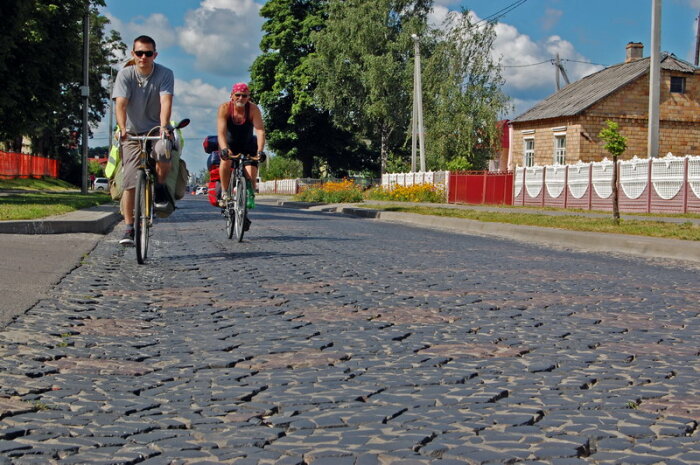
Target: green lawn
{"type": "Point", "coordinates": [56, 197]}
{"type": "Point", "coordinates": [686, 231]}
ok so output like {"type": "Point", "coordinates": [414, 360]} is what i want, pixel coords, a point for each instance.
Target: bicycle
{"type": "Point", "coordinates": [144, 195]}
{"type": "Point", "coordinates": [237, 207]}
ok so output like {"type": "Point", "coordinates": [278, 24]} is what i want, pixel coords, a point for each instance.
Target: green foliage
{"type": "Point", "coordinates": [41, 64]}
{"type": "Point", "coordinates": [95, 168]}
{"type": "Point", "coordinates": [279, 167]}
{"type": "Point", "coordinates": [615, 143]}
{"type": "Point", "coordinates": [462, 93]}
{"type": "Point", "coordinates": [364, 67]}
{"type": "Point", "coordinates": [459, 163]}
{"type": "Point", "coordinates": [284, 82]}
{"type": "Point", "coordinates": [396, 163]}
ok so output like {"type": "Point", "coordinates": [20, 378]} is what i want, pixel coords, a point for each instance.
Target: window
{"type": "Point", "coordinates": [529, 152]}
{"type": "Point", "coordinates": [678, 85]}
{"type": "Point", "coordinates": [560, 149]}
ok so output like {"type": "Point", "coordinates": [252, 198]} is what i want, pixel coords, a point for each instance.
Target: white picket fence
{"type": "Point", "coordinates": [436, 178]}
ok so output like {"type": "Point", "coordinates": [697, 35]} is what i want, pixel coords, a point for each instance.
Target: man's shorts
{"type": "Point", "coordinates": [131, 151]}
{"type": "Point", "coordinates": [248, 147]}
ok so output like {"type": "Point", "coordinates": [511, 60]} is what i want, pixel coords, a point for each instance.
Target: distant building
{"type": "Point", "coordinates": [564, 127]}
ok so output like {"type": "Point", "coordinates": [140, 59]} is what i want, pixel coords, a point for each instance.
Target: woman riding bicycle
{"type": "Point", "coordinates": [236, 121]}
{"type": "Point", "coordinates": [144, 97]}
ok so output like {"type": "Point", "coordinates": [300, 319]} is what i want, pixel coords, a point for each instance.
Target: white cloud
{"type": "Point", "coordinates": [551, 18]}
{"type": "Point", "coordinates": [156, 26]}
{"type": "Point", "coordinates": [223, 35]}
{"type": "Point", "coordinates": [519, 55]}
{"type": "Point", "coordinates": [199, 102]}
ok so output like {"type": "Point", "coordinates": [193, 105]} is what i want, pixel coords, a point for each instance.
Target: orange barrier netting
{"type": "Point", "coordinates": [21, 165]}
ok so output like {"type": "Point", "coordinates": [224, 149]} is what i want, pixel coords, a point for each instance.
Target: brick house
{"type": "Point", "coordinates": [564, 127]}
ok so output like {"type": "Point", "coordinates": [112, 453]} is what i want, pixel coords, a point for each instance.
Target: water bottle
{"type": "Point", "coordinates": [250, 197]}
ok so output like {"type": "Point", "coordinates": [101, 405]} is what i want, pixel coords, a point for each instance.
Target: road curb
{"type": "Point", "coordinates": [557, 238]}
{"type": "Point", "coordinates": [95, 220]}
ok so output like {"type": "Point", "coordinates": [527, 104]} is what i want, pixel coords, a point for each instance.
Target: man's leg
{"type": "Point", "coordinates": [130, 156]}
{"type": "Point", "coordinates": [225, 177]}
{"type": "Point", "coordinates": [162, 154]}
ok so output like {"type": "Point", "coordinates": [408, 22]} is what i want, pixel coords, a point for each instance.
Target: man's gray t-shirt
{"type": "Point", "coordinates": [143, 110]}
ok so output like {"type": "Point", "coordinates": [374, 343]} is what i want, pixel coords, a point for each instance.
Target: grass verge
{"type": "Point", "coordinates": [47, 184]}
{"type": "Point", "coordinates": [30, 206]}
{"type": "Point", "coordinates": [685, 231]}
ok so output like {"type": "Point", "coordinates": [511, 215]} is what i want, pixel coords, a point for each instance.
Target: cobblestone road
{"type": "Point", "coordinates": [330, 340]}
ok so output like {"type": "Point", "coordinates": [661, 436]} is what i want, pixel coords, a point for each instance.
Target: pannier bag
{"type": "Point", "coordinates": [210, 144]}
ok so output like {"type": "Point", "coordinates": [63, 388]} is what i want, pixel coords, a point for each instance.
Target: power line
{"type": "Point", "coordinates": [552, 61]}
{"type": "Point", "coordinates": [502, 12]}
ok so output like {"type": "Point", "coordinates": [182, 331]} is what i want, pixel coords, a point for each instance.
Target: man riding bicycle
{"type": "Point", "coordinates": [236, 121]}
{"type": "Point", "coordinates": [144, 98]}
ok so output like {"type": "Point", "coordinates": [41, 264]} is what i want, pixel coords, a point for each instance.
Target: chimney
{"type": "Point", "coordinates": [635, 51]}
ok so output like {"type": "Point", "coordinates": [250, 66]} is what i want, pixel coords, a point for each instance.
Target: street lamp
{"type": "Point", "coordinates": [417, 134]}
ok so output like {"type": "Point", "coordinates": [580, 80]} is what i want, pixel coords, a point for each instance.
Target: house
{"type": "Point", "coordinates": [563, 128]}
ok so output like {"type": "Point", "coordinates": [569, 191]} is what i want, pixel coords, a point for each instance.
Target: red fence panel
{"type": "Point", "coordinates": [481, 187]}
{"type": "Point", "coordinates": [21, 165]}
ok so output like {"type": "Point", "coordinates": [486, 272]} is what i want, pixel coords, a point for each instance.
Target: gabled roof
{"type": "Point", "coordinates": [576, 97]}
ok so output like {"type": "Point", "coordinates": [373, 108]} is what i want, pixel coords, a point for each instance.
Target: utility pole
{"type": "Point", "coordinates": [110, 129]}
{"type": "Point", "coordinates": [654, 80]}
{"type": "Point", "coordinates": [560, 69]}
{"type": "Point", "coordinates": [417, 110]}
{"type": "Point", "coordinates": [85, 93]}
{"type": "Point", "coordinates": [697, 40]}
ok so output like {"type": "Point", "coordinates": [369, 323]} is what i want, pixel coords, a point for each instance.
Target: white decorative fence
{"type": "Point", "coordinates": [436, 178]}
{"type": "Point", "coordinates": [285, 186]}
{"type": "Point", "coordinates": [661, 185]}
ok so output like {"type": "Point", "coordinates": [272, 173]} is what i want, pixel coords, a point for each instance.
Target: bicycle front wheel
{"type": "Point", "coordinates": [239, 206]}
{"type": "Point", "coordinates": [229, 212]}
{"type": "Point", "coordinates": [142, 215]}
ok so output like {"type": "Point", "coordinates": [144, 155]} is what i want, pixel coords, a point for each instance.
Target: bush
{"type": "Point", "coordinates": [344, 191]}
{"type": "Point", "coordinates": [414, 193]}
{"type": "Point", "coordinates": [459, 164]}
{"type": "Point", "coordinates": [279, 167]}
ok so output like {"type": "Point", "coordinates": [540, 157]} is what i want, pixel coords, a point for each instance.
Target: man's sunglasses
{"type": "Point", "coordinates": [242, 95]}
{"type": "Point", "coordinates": [140, 53]}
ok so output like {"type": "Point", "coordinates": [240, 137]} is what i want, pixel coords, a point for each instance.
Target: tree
{"type": "Point", "coordinates": [364, 69]}
{"type": "Point", "coordinates": [41, 64]}
{"type": "Point", "coordinates": [615, 144]}
{"type": "Point", "coordinates": [463, 98]}
{"type": "Point", "coordinates": [283, 81]}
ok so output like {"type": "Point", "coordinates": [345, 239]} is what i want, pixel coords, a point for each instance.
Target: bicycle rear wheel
{"type": "Point", "coordinates": [239, 206]}
{"type": "Point", "coordinates": [142, 216]}
{"type": "Point", "coordinates": [228, 209]}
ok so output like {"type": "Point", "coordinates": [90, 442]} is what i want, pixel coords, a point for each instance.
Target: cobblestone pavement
{"type": "Point", "coordinates": [323, 339]}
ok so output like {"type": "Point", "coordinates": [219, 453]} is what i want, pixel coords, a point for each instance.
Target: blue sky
{"type": "Point", "coordinates": [210, 44]}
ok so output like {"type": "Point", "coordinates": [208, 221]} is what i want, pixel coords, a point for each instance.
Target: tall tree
{"type": "Point", "coordinates": [42, 70]}
{"type": "Point", "coordinates": [463, 98]}
{"type": "Point", "coordinates": [364, 67]}
{"type": "Point", "coordinates": [284, 82]}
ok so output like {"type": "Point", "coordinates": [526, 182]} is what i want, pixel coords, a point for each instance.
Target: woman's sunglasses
{"type": "Point", "coordinates": [140, 53]}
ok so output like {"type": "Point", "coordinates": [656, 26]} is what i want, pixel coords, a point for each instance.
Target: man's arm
{"type": "Point", "coordinates": [221, 126]}
{"type": "Point", "coordinates": [120, 110]}
{"type": "Point", "coordinates": [259, 127]}
{"type": "Point", "coordinates": [166, 109]}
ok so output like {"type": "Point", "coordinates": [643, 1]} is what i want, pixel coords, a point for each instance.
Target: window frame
{"type": "Point", "coordinates": [528, 154]}
{"type": "Point", "coordinates": [677, 79]}
{"type": "Point", "coordinates": [559, 156]}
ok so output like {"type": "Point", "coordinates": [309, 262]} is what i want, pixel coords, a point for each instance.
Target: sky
{"type": "Point", "coordinates": [210, 44]}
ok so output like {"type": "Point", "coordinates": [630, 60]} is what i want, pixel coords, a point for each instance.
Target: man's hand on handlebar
{"type": "Point", "coordinates": [225, 154]}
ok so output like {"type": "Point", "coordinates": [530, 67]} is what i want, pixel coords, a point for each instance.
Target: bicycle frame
{"type": "Point", "coordinates": [236, 208]}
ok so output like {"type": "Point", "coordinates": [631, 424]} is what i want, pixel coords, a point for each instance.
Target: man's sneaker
{"type": "Point", "coordinates": [246, 223]}
{"type": "Point", "coordinates": [224, 200]}
{"type": "Point", "coordinates": [161, 197]}
{"type": "Point", "coordinates": [128, 238]}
